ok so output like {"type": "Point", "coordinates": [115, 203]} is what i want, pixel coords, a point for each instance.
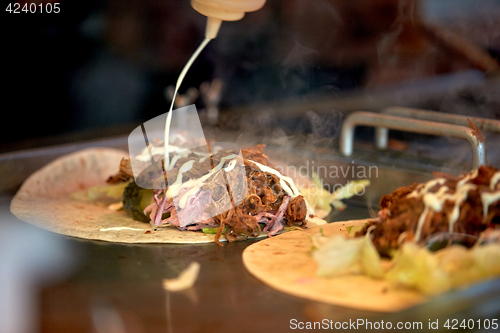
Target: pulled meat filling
{"type": "Point", "coordinates": [440, 206]}
{"type": "Point", "coordinates": [266, 204]}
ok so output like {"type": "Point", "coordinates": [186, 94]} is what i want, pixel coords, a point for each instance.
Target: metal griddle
{"type": "Point", "coordinates": [125, 279]}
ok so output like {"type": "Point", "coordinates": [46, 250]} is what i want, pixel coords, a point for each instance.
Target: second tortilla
{"type": "Point", "coordinates": [285, 263]}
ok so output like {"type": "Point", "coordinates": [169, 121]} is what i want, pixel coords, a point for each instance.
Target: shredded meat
{"type": "Point", "coordinates": [296, 210]}
{"type": "Point", "coordinates": [256, 153]}
{"type": "Point", "coordinates": [401, 210]}
{"type": "Point", "coordinates": [124, 173]}
{"type": "Point", "coordinates": [387, 200]}
{"type": "Point", "coordinates": [266, 204]}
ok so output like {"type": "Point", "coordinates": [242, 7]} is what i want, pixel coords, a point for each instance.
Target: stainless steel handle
{"type": "Point", "coordinates": [382, 134]}
{"type": "Point", "coordinates": [486, 125]}
{"type": "Point", "coordinates": [386, 122]}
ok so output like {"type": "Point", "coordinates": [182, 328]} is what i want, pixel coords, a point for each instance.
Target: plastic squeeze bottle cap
{"type": "Point", "coordinates": [217, 11]}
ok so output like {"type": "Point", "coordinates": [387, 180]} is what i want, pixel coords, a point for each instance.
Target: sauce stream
{"type": "Point", "coordinates": [177, 86]}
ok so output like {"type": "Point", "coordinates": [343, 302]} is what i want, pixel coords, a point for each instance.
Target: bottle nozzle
{"type": "Point", "coordinates": [213, 26]}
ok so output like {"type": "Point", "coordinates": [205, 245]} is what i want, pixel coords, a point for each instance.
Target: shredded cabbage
{"type": "Point", "coordinates": [321, 199]}
{"type": "Point", "coordinates": [338, 256]}
{"type": "Point", "coordinates": [418, 268]}
{"type": "Point", "coordinates": [452, 267]}
{"type": "Point", "coordinates": [370, 259]}
{"type": "Point", "coordinates": [316, 195]}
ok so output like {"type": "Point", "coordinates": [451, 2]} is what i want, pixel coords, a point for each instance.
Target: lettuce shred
{"type": "Point", "coordinates": [339, 256]}
{"type": "Point", "coordinates": [321, 199]}
{"type": "Point", "coordinates": [412, 266]}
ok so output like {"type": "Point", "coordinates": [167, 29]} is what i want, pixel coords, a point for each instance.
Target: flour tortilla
{"type": "Point", "coordinates": [285, 263]}
{"type": "Point", "coordinates": [44, 201]}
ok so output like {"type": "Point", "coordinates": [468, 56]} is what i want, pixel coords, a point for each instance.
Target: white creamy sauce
{"type": "Point", "coordinates": [425, 188]}
{"type": "Point", "coordinates": [488, 199]}
{"type": "Point", "coordinates": [174, 160]}
{"type": "Point", "coordinates": [120, 228]}
{"type": "Point", "coordinates": [401, 237]}
{"type": "Point", "coordinates": [173, 189]}
{"type": "Point", "coordinates": [180, 153]}
{"type": "Point", "coordinates": [471, 175]}
{"type": "Point", "coordinates": [177, 86]}
{"type": "Point", "coordinates": [494, 180]}
{"type": "Point", "coordinates": [185, 167]}
{"type": "Point", "coordinates": [420, 223]}
{"type": "Point", "coordinates": [459, 196]}
{"type": "Point", "coordinates": [198, 183]}
{"type": "Point", "coordinates": [194, 185]}
{"type": "Point", "coordinates": [435, 201]}
{"type": "Point", "coordinates": [231, 166]}
{"type": "Point", "coordinates": [167, 148]}
{"type": "Point", "coordinates": [144, 155]}
{"type": "Point", "coordinates": [291, 190]}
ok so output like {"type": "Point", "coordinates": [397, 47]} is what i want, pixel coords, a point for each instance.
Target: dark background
{"type": "Point", "coordinates": [101, 66]}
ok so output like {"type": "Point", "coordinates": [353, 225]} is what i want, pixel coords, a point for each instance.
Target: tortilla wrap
{"type": "Point", "coordinates": [284, 262]}
{"type": "Point", "coordinates": [44, 201]}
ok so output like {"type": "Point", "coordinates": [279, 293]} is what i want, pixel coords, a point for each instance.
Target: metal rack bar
{"type": "Point", "coordinates": [485, 124]}
{"type": "Point", "coordinates": [385, 122]}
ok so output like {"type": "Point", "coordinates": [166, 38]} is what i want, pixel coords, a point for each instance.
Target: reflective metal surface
{"type": "Point", "coordinates": [118, 287]}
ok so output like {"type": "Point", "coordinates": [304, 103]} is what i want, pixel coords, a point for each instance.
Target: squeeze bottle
{"type": "Point", "coordinates": [217, 11]}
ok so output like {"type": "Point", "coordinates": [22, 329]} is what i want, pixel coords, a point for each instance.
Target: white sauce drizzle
{"type": "Point", "coordinates": [290, 190]}
{"type": "Point", "coordinates": [402, 237]}
{"type": "Point", "coordinates": [425, 188]}
{"type": "Point", "coordinates": [173, 189]}
{"type": "Point", "coordinates": [231, 166]}
{"type": "Point", "coordinates": [199, 182]}
{"type": "Point", "coordinates": [471, 175]}
{"type": "Point", "coordinates": [120, 228]}
{"type": "Point", "coordinates": [144, 155]}
{"type": "Point", "coordinates": [180, 153]}
{"type": "Point", "coordinates": [420, 224]}
{"type": "Point", "coordinates": [435, 201]}
{"type": "Point", "coordinates": [488, 199]}
{"type": "Point", "coordinates": [494, 180]}
{"type": "Point", "coordinates": [176, 157]}
{"type": "Point", "coordinates": [460, 196]}
{"type": "Point", "coordinates": [177, 86]}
